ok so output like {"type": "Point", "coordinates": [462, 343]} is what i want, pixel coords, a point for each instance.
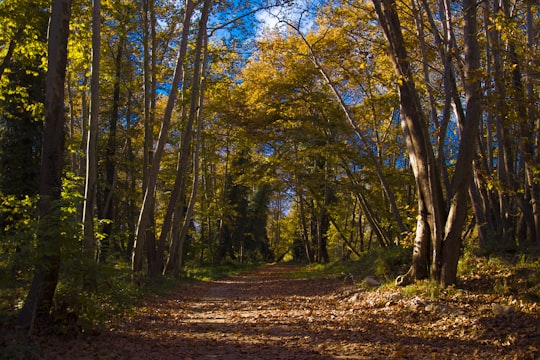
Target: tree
{"type": "Point", "coordinates": [193, 122]}
{"type": "Point", "coordinates": [148, 201]}
{"type": "Point", "coordinates": [22, 94]}
{"type": "Point", "coordinates": [40, 297]}
{"type": "Point", "coordinates": [439, 228]}
{"type": "Point", "coordinates": [90, 188]}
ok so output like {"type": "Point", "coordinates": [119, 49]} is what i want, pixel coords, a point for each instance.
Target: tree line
{"type": "Point", "coordinates": [163, 134]}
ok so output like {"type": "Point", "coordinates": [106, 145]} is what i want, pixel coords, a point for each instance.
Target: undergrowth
{"type": "Point", "coordinates": [76, 311]}
{"type": "Point", "coordinates": [385, 264]}
{"type": "Point", "coordinates": [515, 274]}
{"type": "Point", "coordinates": [207, 273]}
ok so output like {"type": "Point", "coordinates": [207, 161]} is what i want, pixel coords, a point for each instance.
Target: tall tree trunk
{"type": "Point", "coordinates": [304, 231]}
{"type": "Point", "coordinates": [533, 114]}
{"type": "Point", "coordinates": [84, 125]}
{"type": "Point", "coordinates": [149, 195]}
{"type": "Point", "coordinates": [11, 48]}
{"type": "Point", "coordinates": [195, 116]}
{"type": "Point", "coordinates": [89, 241]}
{"type": "Point", "coordinates": [39, 301]}
{"type": "Point", "coordinates": [110, 159]}
{"type": "Point", "coordinates": [416, 132]}
{"type": "Point", "coordinates": [130, 182]}
{"type": "Point", "coordinates": [146, 237]}
{"type": "Point", "coordinates": [444, 228]}
{"type": "Point", "coordinates": [463, 169]}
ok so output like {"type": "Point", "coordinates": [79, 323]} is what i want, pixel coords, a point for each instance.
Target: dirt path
{"type": "Point", "coordinates": [263, 315]}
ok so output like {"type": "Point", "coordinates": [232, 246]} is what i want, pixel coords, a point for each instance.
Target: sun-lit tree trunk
{"type": "Point", "coordinates": [441, 226]}
{"type": "Point", "coordinates": [89, 241]}
{"type": "Point", "coordinates": [194, 117]}
{"type": "Point", "coordinates": [39, 301]}
{"type": "Point", "coordinates": [419, 147]}
{"type": "Point", "coordinates": [449, 83]}
{"type": "Point", "coordinates": [461, 179]}
{"type": "Point", "coordinates": [145, 218]}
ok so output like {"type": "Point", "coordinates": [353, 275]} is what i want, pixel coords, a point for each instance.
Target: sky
{"type": "Point", "coordinates": [269, 19]}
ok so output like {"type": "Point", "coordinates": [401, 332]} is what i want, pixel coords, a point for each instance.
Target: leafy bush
{"type": "Point", "coordinates": [83, 311]}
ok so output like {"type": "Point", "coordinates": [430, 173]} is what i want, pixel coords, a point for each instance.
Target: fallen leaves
{"type": "Point", "coordinates": [263, 315]}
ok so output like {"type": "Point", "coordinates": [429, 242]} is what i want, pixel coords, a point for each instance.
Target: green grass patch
{"type": "Point", "coordinates": [385, 264]}
{"type": "Point", "coordinates": [423, 288]}
{"type": "Point", "coordinates": [208, 273]}
{"type": "Point", "coordinates": [502, 273]}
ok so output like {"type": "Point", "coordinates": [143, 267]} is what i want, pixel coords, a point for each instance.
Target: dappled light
{"type": "Point", "coordinates": [264, 314]}
{"type": "Point", "coordinates": [269, 179]}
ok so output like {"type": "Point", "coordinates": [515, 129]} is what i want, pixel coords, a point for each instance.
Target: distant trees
{"type": "Point", "coordinates": [450, 101]}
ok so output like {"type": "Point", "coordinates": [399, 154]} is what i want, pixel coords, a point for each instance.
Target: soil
{"type": "Point", "coordinates": [264, 314]}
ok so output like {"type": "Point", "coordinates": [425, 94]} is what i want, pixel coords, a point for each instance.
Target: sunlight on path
{"type": "Point", "coordinates": [264, 315]}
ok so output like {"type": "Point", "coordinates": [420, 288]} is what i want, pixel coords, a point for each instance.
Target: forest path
{"type": "Point", "coordinates": [264, 314]}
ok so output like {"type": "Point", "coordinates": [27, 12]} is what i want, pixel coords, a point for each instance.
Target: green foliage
{"type": "Point", "coordinates": [386, 264]}
{"type": "Point", "coordinates": [18, 227]}
{"type": "Point", "coordinates": [390, 262]}
{"type": "Point", "coordinates": [424, 288]}
{"type": "Point", "coordinates": [218, 272]}
{"type": "Point", "coordinates": [78, 311]}
{"type": "Point", "coordinates": [502, 273]}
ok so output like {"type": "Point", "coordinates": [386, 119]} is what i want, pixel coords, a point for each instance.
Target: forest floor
{"type": "Point", "coordinates": [268, 314]}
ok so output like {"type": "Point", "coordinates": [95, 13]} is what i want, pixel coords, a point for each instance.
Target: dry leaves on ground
{"type": "Point", "coordinates": [265, 315]}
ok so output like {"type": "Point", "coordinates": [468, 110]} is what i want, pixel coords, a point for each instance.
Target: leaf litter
{"type": "Point", "coordinates": [264, 314]}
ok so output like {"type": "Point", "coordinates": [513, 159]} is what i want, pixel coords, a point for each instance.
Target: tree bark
{"type": "Point", "coordinates": [110, 159]}
{"type": "Point", "coordinates": [11, 48]}
{"type": "Point", "coordinates": [148, 201]}
{"type": "Point", "coordinates": [195, 116]}
{"type": "Point", "coordinates": [39, 301]}
{"type": "Point", "coordinates": [89, 241]}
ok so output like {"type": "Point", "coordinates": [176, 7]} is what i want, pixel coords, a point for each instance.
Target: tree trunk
{"type": "Point", "coordinates": [110, 160]}
{"type": "Point", "coordinates": [534, 118]}
{"type": "Point", "coordinates": [89, 241]}
{"type": "Point", "coordinates": [303, 223]}
{"type": "Point", "coordinates": [149, 198]}
{"type": "Point", "coordinates": [469, 130]}
{"type": "Point", "coordinates": [416, 133]}
{"type": "Point", "coordinates": [11, 48]}
{"type": "Point", "coordinates": [130, 183]}
{"type": "Point", "coordinates": [194, 114]}
{"type": "Point", "coordinates": [40, 297]}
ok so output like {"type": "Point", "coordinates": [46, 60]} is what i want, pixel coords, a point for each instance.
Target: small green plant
{"type": "Point", "coordinates": [424, 288]}
{"type": "Point", "coordinates": [207, 273]}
